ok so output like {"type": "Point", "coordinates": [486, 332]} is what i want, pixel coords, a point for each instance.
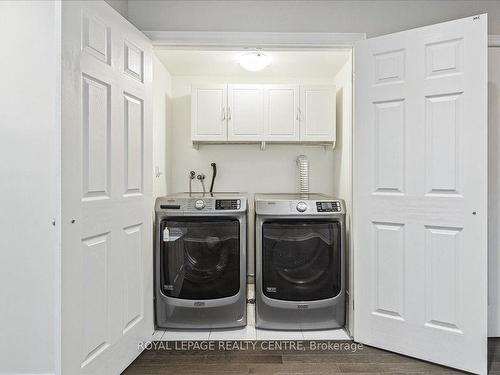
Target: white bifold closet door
{"type": "Point", "coordinates": [107, 264]}
{"type": "Point", "coordinates": [420, 193]}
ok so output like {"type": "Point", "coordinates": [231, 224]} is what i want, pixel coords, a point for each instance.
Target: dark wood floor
{"type": "Point", "coordinates": [368, 360]}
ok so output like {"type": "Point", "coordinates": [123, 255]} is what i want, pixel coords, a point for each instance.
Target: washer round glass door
{"type": "Point", "coordinates": [301, 260]}
{"type": "Point", "coordinates": [200, 257]}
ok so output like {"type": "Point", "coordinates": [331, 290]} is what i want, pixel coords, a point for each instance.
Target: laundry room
{"type": "Point", "coordinates": [252, 121]}
{"type": "Point", "coordinates": [251, 186]}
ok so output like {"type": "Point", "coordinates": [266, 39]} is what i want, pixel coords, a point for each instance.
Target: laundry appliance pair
{"type": "Point", "coordinates": [201, 261]}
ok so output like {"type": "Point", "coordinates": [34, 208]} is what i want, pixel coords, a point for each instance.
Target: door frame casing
{"type": "Point", "coordinates": [235, 40]}
{"type": "Point", "coordinates": [277, 40]}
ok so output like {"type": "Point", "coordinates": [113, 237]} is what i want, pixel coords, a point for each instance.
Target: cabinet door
{"type": "Point", "coordinates": [245, 112]}
{"type": "Point", "coordinates": [208, 113]}
{"type": "Point", "coordinates": [317, 113]}
{"type": "Point", "coordinates": [281, 111]}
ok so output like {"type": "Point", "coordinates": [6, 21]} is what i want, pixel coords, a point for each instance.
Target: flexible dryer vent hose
{"type": "Point", "coordinates": [303, 164]}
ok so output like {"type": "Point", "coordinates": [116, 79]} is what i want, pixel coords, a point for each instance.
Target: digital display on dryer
{"type": "Point", "coordinates": [333, 206]}
{"type": "Point", "coordinates": [227, 204]}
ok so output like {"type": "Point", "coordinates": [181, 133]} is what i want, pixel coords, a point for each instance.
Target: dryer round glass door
{"type": "Point", "coordinates": [200, 257]}
{"type": "Point", "coordinates": [301, 261]}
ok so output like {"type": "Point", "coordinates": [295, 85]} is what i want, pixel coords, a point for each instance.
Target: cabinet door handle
{"type": "Point", "coordinates": [298, 114]}
{"type": "Point", "coordinates": [223, 113]}
{"type": "Point", "coordinates": [229, 113]}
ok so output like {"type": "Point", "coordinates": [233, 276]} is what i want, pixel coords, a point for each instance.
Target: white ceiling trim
{"type": "Point", "coordinates": [231, 40]}
{"type": "Point", "coordinates": [494, 40]}
{"type": "Point", "coordinates": [214, 39]}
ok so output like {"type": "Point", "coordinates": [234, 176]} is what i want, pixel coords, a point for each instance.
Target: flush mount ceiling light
{"type": "Point", "coordinates": [254, 61]}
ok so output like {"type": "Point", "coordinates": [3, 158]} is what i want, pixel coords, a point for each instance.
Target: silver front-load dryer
{"type": "Point", "coordinates": [300, 257]}
{"type": "Point", "coordinates": [200, 261]}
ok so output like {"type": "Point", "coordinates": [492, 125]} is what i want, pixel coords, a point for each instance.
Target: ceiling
{"type": "Point", "coordinates": [223, 63]}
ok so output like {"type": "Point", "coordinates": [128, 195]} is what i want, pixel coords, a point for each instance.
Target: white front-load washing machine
{"type": "Point", "coordinates": [200, 260]}
{"type": "Point", "coordinates": [300, 261]}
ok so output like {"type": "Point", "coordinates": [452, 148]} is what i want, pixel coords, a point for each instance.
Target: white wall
{"type": "Point", "coordinates": [494, 191]}
{"type": "Point", "coordinates": [29, 133]}
{"type": "Point", "coordinates": [244, 167]}
{"type": "Point", "coordinates": [371, 17]}
{"type": "Point", "coordinates": [162, 114]}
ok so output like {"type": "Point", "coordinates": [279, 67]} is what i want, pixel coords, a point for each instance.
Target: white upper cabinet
{"type": "Point", "coordinates": [209, 113]}
{"type": "Point", "coordinates": [281, 113]}
{"type": "Point", "coordinates": [258, 113]}
{"type": "Point", "coordinates": [245, 112]}
{"type": "Point", "coordinates": [317, 113]}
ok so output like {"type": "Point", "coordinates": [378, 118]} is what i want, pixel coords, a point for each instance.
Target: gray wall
{"type": "Point", "coordinates": [121, 6]}
{"type": "Point", "coordinates": [494, 192]}
{"type": "Point", "coordinates": [371, 17]}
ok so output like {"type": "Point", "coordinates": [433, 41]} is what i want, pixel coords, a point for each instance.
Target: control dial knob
{"type": "Point", "coordinates": [199, 204]}
{"type": "Point", "coordinates": [301, 206]}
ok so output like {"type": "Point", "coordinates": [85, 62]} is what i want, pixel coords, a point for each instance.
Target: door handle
{"type": "Point", "coordinates": [298, 114]}
{"type": "Point", "coordinates": [229, 113]}
{"type": "Point", "coordinates": [223, 113]}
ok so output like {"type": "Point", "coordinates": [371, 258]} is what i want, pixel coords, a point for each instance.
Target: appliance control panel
{"type": "Point", "coordinates": [183, 204]}
{"type": "Point", "coordinates": [200, 204]}
{"type": "Point", "coordinates": [330, 206]}
{"type": "Point", "coordinates": [227, 204]}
